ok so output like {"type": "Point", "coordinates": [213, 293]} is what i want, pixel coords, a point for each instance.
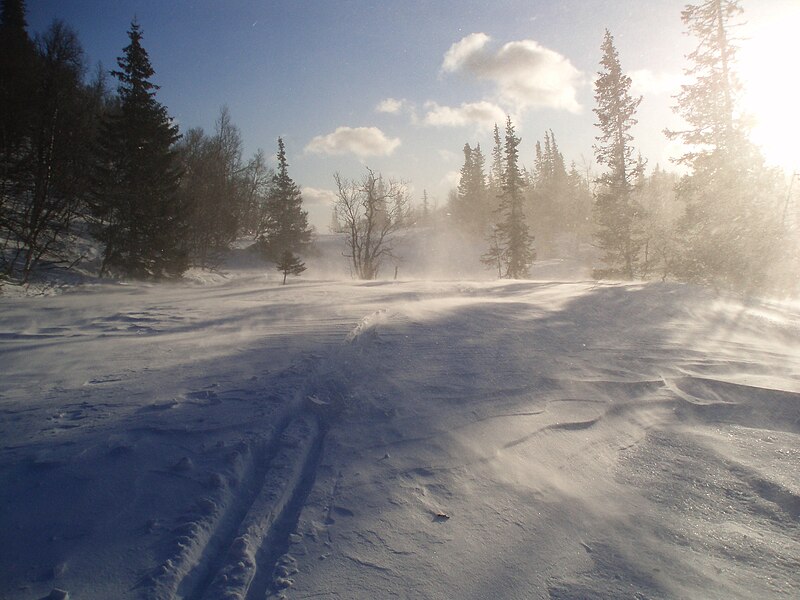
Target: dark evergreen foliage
{"type": "Point", "coordinates": [285, 224]}
{"type": "Point", "coordinates": [141, 222]}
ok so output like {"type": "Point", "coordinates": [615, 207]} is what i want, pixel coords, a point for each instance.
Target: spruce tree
{"type": "Point", "coordinates": [616, 212]}
{"type": "Point", "coordinates": [286, 223]}
{"type": "Point", "coordinates": [511, 245]}
{"type": "Point", "coordinates": [496, 169]}
{"type": "Point", "coordinates": [549, 192]}
{"type": "Point", "coordinates": [289, 264]}
{"type": "Point", "coordinates": [141, 221]}
{"type": "Point", "coordinates": [470, 208]}
{"type": "Point", "coordinates": [730, 233]}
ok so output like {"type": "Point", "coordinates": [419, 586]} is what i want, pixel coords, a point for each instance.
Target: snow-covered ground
{"type": "Point", "coordinates": [229, 437]}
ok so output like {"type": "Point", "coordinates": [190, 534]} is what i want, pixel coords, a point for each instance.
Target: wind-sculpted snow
{"type": "Point", "coordinates": [234, 438]}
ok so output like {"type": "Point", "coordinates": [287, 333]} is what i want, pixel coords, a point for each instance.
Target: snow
{"type": "Point", "coordinates": [230, 437]}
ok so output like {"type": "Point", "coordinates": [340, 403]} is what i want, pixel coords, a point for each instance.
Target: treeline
{"type": "Point", "coordinates": [723, 224]}
{"type": "Point", "coordinates": [77, 160]}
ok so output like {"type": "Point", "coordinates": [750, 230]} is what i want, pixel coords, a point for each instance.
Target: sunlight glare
{"type": "Point", "coordinates": [772, 87]}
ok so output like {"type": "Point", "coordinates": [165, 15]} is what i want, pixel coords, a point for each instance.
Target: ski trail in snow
{"type": "Point", "coordinates": [236, 549]}
{"type": "Point", "coordinates": [300, 445]}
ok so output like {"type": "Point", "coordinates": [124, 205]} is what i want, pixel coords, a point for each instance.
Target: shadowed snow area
{"type": "Point", "coordinates": [235, 438]}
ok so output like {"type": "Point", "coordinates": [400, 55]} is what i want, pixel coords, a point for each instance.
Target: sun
{"type": "Point", "coordinates": [770, 75]}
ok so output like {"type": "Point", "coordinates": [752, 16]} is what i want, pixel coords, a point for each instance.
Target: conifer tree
{"type": "Point", "coordinates": [141, 221]}
{"type": "Point", "coordinates": [470, 210]}
{"type": "Point", "coordinates": [548, 194]}
{"type": "Point", "coordinates": [511, 245]}
{"type": "Point", "coordinates": [495, 179]}
{"type": "Point", "coordinates": [730, 232]}
{"type": "Point", "coordinates": [286, 224]}
{"type": "Point", "coordinates": [289, 264]}
{"type": "Point", "coordinates": [616, 212]}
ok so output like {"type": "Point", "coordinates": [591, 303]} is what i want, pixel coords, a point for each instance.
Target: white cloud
{"type": "Point", "coordinates": [469, 113]}
{"type": "Point", "coordinates": [645, 81]}
{"type": "Point", "coordinates": [391, 105]}
{"type": "Point", "coordinates": [525, 73]}
{"type": "Point", "coordinates": [464, 51]}
{"type": "Point", "coordinates": [361, 141]}
{"type": "Point", "coordinates": [318, 197]}
{"type": "Point", "coordinates": [484, 114]}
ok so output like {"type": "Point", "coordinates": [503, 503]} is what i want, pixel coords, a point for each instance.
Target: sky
{"type": "Point", "coordinates": [400, 87]}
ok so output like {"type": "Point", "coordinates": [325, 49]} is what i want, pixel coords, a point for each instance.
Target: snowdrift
{"type": "Point", "coordinates": [233, 438]}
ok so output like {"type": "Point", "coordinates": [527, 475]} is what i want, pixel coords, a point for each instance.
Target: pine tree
{"type": "Point", "coordinates": [141, 222]}
{"type": "Point", "coordinates": [511, 244]}
{"type": "Point", "coordinates": [286, 224]}
{"type": "Point", "coordinates": [289, 264]}
{"type": "Point", "coordinates": [616, 212]}
{"type": "Point", "coordinates": [495, 180]}
{"type": "Point", "coordinates": [708, 104]}
{"type": "Point", "coordinates": [730, 233]}
{"type": "Point", "coordinates": [548, 194]}
{"type": "Point", "coordinates": [470, 208]}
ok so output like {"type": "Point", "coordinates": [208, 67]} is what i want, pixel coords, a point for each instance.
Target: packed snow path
{"type": "Point", "coordinates": [399, 439]}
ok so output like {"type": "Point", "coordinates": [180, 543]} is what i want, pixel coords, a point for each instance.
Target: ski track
{"type": "Point", "coordinates": [235, 548]}
{"type": "Point", "coordinates": [236, 542]}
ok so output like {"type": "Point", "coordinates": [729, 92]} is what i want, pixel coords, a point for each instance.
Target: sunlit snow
{"type": "Point", "coordinates": [230, 437]}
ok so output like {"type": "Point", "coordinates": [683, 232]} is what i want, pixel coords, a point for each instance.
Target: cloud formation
{"type": "Point", "coordinates": [525, 73]}
{"type": "Point", "coordinates": [391, 105]}
{"type": "Point", "coordinates": [361, 141]}
{"type": "Point", "coordinates": [318, 197]}
{"type": "Point", "coordinates": [484, 114]}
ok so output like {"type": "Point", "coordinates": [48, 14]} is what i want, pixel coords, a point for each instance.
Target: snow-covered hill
{"type": "Point", "coordinates": [235, 438]}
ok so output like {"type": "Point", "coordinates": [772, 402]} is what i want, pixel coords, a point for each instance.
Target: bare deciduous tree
{"type": "Point", "coordinates": [371, 211]}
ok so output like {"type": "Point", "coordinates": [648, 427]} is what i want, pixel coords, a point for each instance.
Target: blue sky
{"type": "Point", "coordinates": [397, 86]}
